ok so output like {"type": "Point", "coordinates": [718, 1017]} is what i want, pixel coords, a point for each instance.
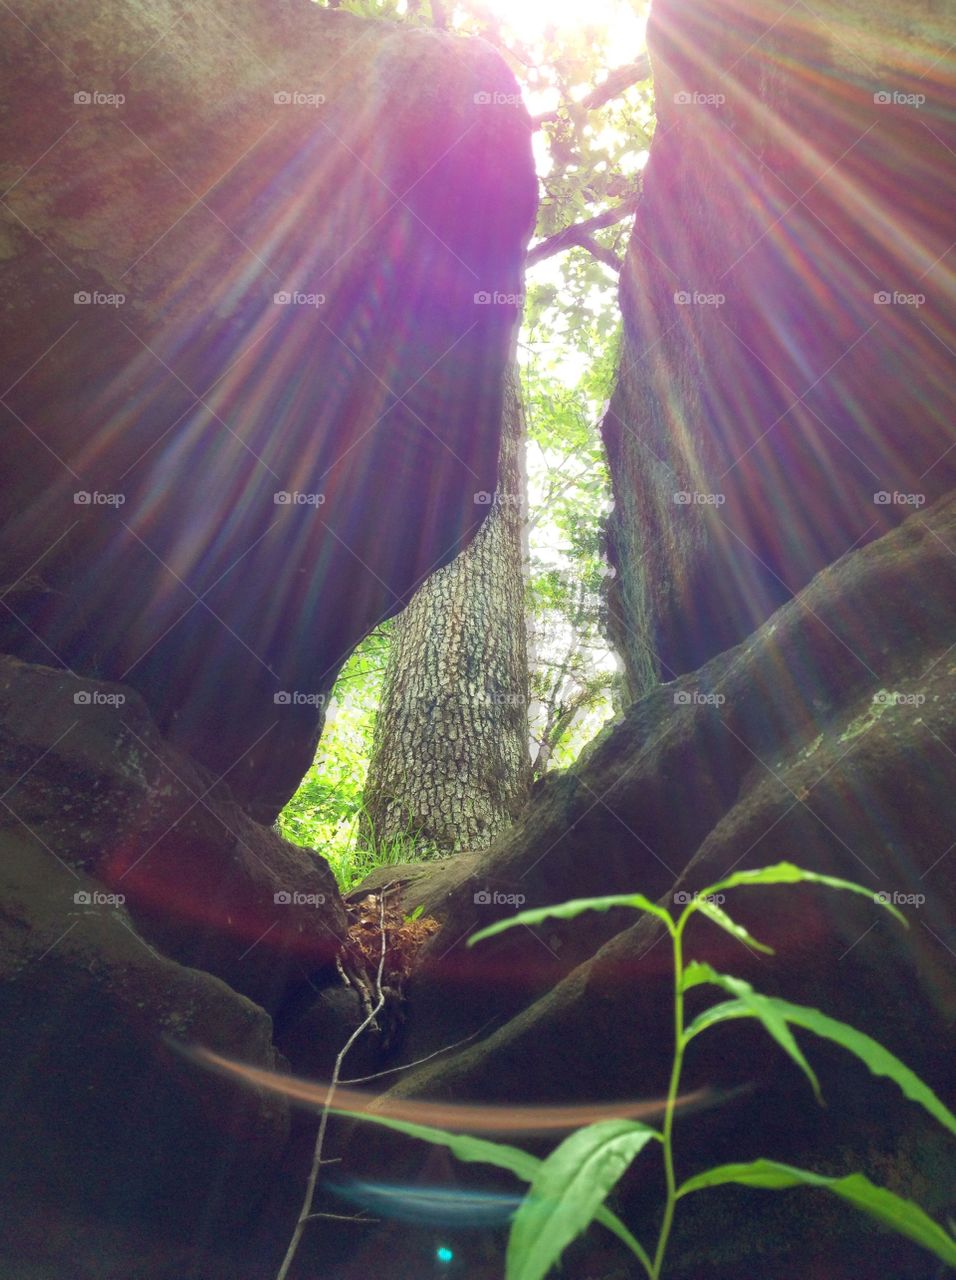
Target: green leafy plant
{"type": "Point", "coordinates": [351, 861]}
{"type": "Point", "coordinates": [326, 810]}
{"type": "Point", "coordinates": [568, 1189]}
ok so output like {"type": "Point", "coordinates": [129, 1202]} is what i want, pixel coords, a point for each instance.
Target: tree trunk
{"type": "Point", "coordinates": [450, 762]}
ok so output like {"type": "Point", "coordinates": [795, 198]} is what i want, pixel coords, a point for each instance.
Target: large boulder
{"type": "Point", "coordinates": [786, 383]}
{"type": "Point", "coordinates": [86, 772]}
{"type": "Point", "coordinates": [261, 275]}
{"type": "Point", "coordinates": [261, 279]}
{"type": "Point", "coordinates": [120, 1160]}
{"type": "Point", "coordinates": [826, 739]}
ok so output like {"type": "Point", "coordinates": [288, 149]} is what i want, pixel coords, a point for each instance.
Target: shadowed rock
{"type": "Point", "coordinates": [86, 772]}
{"type": "Point", "coordinates": [119, 1158]}
{"type": "Point", "coordinates": [786, 381]}
{"type": "Point", "coordinates": [826, 739]}
{"type": "Point", "coordinates": [256, 317]}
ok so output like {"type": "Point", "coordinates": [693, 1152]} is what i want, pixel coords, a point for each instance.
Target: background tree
{"type": "Point", "coordinates": [450, 765]}
{"type": "Point", "coordinates": [574, 674]}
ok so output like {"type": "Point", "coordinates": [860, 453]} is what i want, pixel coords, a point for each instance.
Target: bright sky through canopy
{"type": "Point", "coordinates": [531, 19]}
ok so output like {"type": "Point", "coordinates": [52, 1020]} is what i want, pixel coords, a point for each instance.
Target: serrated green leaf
{"type": "Point", "coordinates": [721, 918]}
{"type": "Point", "coordinates": [717, 1013]}
{"type": "Point", "coordinates": [787, 873]}
{"type": "Point", "coordinates": [473, 1150]}
{"type": "Point", "coordinates": [464, 1146]}
{"type": "Point", "coordinates": [568, 910]}
{"type": "Point", "coordinates": [870, 1052]}
{"type": "Point", "coordinates": [567, 1191]}
{"type": "Point", "coordinates": [764, 1008]}
{"type": "Point", "coordinates": [615, 1225]}
{"type": "Point", "coordinates": [903, 1216]}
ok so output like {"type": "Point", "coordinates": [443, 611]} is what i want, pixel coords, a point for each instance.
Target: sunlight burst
{"type": "Point", "coordinates": [533, 19]}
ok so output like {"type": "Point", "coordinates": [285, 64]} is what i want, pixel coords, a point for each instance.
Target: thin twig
{"type": "Point", "coordinates": [342, 1217]}
{"type": "Point", "coordinates": [407, 1066]}
{"type": "Point", "coordinates": [306, 1211]}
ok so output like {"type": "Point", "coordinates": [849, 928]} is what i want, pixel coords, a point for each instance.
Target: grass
{"type": "Point", "coordinates": [350, 856]}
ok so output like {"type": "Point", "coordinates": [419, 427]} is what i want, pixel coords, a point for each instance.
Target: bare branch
{"type": "Point", "coordinates": [607, 256]}
{"type": "Point", "coordinates": [306, 1215]}
{"type": "Point", "coordinates": [580, 234]}
{"type": "Point", "coordinates": [418, 1061]}
{"type": "Point", "coordinates": [617, 81]}
{"type": "Point", "coordinates": [553, 494]}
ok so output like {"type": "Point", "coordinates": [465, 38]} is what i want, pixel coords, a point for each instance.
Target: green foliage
{"type": "Point", "coordinates": [325, 812]}
{"type": "Point", "coordinates": [573, 674]}
{"type": "Point", "coordinates": [568, 910]}
{"type": "Point", "coordinates": [892, 1210]}
{"type": "Point", "coordinates": [749, 1003]}
{"type": "Point", "coordinates": [351, 860]}
{"type": "Point", "coordinates": [329, 799]}
{"type": "Point", "coordinates": [568, 1189]}
{"type": "Point", "coordinates": [777, 1013]}
{"type": "Point", "coordinates": [471, 1150]}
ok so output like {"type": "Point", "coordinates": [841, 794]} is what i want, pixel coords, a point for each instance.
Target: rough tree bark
{"type": "Point", "coordinates": [450, 761]}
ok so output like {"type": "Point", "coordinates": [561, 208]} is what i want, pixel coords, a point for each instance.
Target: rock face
{"type": "Point", "coordinates": [85, 772]}
{"type": "Point", "coordinates": [145, 641]}
{"type": "Point", "coordinates": [260, 285]}
{"type": "Point", "coordinates": [826, 739]}
{"type": "Point", "coordinates": [786, 388]}
{"type": "Point", "coordinates": [260, 282]}
{"type": "Point", "coordinates": [120, 1160]}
